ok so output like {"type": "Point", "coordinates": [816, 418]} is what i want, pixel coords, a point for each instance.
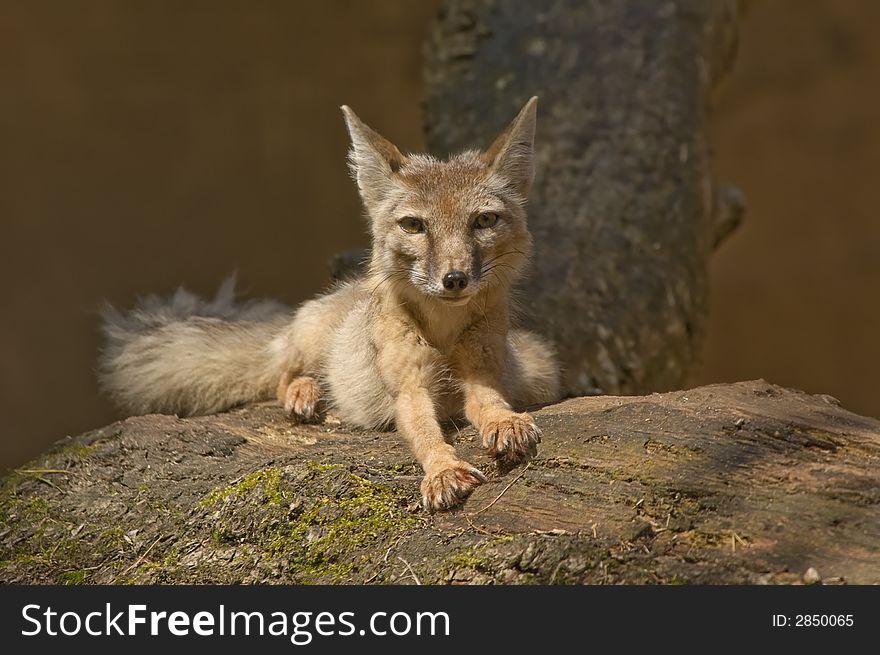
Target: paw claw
{"type": "Point", "coordinates": [450, 487]}
{"type": "Point", "coordinates": [301, 398]}
{"type": "Point", "coordinates": [512, 439]}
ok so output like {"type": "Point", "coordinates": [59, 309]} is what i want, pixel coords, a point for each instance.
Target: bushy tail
{"type": "Point", "coordinates": [185, 355]}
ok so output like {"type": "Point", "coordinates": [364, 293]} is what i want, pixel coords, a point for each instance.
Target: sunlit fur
{"type": "Point", "coordinates": [448, 197]}
{"type": "Point", "coordinates": [394, 347]}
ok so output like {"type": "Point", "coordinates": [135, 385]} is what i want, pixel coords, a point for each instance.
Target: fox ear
{"type": "Point", "coordinates": [511, 153]}
{"type": "Point", "coordinates": [373, 159]}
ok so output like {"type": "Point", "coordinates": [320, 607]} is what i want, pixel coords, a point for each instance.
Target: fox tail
{"type": "Point", "coordinates": [185, 355]}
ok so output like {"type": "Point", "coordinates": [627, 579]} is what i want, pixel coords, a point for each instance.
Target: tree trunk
{"type": "Point", "coordinates": [735, 483]}
{"type": "Point", "coordinates": [624, 210]}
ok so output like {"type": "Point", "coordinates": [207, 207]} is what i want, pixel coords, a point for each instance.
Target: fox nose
{"type": "Point", "coordinates": [455, 280]}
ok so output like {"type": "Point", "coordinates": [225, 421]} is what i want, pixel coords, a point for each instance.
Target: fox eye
{"type": "Point", "coordinates": [485, 221]}
{"type": "Point", "coordinates": [411, 225]}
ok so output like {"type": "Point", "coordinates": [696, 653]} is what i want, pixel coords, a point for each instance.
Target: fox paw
{"type": "Point", "coordinates": [512, 439]}
{"type": "Point", "coordinates": [300, 398]}
{"type": "Point", "coordinates": [450, 487]}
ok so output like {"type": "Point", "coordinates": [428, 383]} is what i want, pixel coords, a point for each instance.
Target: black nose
{"type": "Point", "coordinates": [455, 280]}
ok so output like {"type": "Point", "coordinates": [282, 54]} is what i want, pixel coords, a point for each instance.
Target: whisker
{"type": "Point", "coordinates": [489, 269]}
{"type": "Point", "coordinates": [504, 254]}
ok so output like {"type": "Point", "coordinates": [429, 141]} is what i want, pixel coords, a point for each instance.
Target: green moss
{"type": "Point", "coordinates": [15, 509]}
{"type": "Point", "coordinates": [31, 509]}
{"type": "Point", "coordinates": [21, 559]}
{"type": "Point", "coordinates": [478, 557]}
{"type": "Point", "coordinates": [269, 479]}
{"type": "Point", "coordinates": [112, 539]}
{"type": "Point", "coordinates": [333, 537]}
{"type": "Point", "coordinates": [469, 559]}
{"type": "Point", "coordinates": [76, 450]}
{"type": "Point", "coordinates": [73, 577]}
{"type": "Point", "coordinates": [9, 497]}
{"type": "Point", "coordinates": [42, 469]}
{"type": "Point", "coordinates": [172, 557]}
{"type": "Point", "coordinates": [345, 519]}
{"type": "Point", "coordinates": [34, 552]}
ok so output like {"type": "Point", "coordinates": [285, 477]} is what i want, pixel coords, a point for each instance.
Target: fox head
{"type": "Point", "coordinates": [446, 229]}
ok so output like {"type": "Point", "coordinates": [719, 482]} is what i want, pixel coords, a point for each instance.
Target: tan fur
{"type": "Point", "coordinates": [395, 347]}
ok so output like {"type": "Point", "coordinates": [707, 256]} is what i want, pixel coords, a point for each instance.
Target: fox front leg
{"type": "Point", "coordinates": [410, 368]}
{"type": "Point", "coordinates": [509, 436]}
{"type": "Point", "coordinates": [448, 480]}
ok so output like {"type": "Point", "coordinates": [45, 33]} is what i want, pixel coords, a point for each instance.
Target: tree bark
{"type": "Point", "coordinates": [738, 483]}
{"type": "Point", "coordinates": [624, 211]}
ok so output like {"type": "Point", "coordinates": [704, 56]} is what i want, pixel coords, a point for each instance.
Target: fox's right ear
{"type": "Point", "coordinates": [373, 159]}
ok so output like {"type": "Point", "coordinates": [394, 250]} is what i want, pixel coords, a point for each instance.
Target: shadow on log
{"type": "Point", "coordinates": [740, 483]}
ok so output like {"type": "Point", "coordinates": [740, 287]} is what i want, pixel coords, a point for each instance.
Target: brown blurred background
{"type": "Point", "coordinates": [149, 144]}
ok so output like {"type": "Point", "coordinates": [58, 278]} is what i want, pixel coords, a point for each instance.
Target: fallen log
{"type": "Point", "coordinates": [734, 483]}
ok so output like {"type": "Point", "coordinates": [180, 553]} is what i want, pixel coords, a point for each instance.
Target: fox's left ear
{"type": "Point", "coordinates": [511, 154]}
{"type": "Point", "coordinates": [373, 159]}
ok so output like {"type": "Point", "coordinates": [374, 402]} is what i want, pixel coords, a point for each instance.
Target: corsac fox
{"type": "Point", "coordinates": [422, 337]}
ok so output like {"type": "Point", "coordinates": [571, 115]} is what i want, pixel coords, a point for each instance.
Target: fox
{"type": "Point", "coordinates": [424, 336]}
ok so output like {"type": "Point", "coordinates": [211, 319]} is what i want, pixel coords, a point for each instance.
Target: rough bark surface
{"type": "Point", "coordinates": [739, 483]}
{"type": "Point", "coordinates": [624, 211]}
